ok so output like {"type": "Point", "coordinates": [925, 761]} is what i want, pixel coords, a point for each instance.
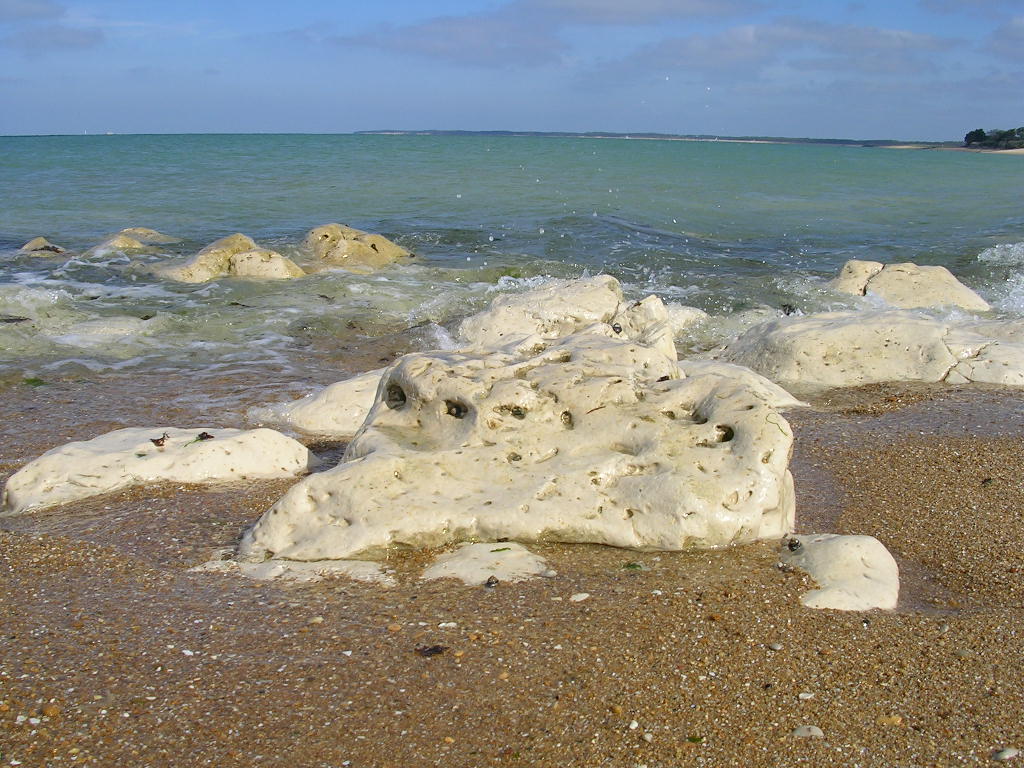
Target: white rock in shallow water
{"type": "Point", "coordinates": [846, 349]}
{"type": "Point", "coordinates": [354, 250]}
{"type": "Point", "coordinates": [563, 307]}
{"type": "Point", "coordinates": [263, 263]}
{"type": "Point", "coordinates": [40, 246]}
{"type": "Point", "coordinates": [119, 243]}
{"type": "Point", "coordinates": [907, 285]}
{"type": "Point", "coordinates": [592, 439]}
{"type": "Point", "coordinates": [147, 235]}
{"type": "Point", "coordinates": [211, 262]}
{"type": "Point", "coordinates": [511, 325]}
{"type": "Point", "coordinates": [742, 376]}
{"type": "Point", "coordinates": [337, 410]}
{"type": "Point", "coordinates": [301, 572]}
{"type": "Point", "coordinates": [854, 573]}
{"type": "Point", "coordinates": [129, 457]}
{"type": "Point", "coordinates": [474, 564]}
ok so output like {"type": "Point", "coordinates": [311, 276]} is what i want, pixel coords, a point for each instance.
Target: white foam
{"type": "Point", "coordinates": [1006, 254]}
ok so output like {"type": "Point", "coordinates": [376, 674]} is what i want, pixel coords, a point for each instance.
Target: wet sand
{"type": "Point", "coordinates": [115, 655]}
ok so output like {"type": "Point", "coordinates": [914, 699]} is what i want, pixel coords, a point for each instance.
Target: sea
{"type": "Point", "coordinates": [744, 231]}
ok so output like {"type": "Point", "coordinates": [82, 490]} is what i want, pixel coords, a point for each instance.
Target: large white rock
{"type": "Point", "coordinates": [337, 410]}
{"type": "Point", "coordinates": [907, 285]}
{"type": "Point", "coordinates": [477, 563]}
{"type": "Point", "coordinates": [592, 439]}
{"type": "Point", "coordinates": [129, 457]}
{"type": "Point", "coordinates": [844, 349]}
{"type": "Point", "coordinates": [854, 573]}
{"type": "Point", "coordinates": [352, 249]}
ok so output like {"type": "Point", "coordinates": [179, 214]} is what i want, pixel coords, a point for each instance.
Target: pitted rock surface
{"type": "Point", "coordinates": [352, 249]}
{"type": "Point", "coordinates": [591, 439]}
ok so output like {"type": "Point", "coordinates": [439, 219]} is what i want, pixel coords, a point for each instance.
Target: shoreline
{"type": "Point", "coordinates": [120, 656]}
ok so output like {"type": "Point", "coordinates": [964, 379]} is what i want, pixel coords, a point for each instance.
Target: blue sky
{"type": "Point", "coordinates": [903, 69]}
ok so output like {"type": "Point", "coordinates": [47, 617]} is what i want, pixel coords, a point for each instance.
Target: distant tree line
{"type": "Point", "coordinates": [1013, 138]}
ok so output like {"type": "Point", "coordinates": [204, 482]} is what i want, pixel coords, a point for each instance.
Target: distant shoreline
{"type": "Point", "coordinates": [866, 143]}
{"type": "Point", "coordinates": [885, 143]}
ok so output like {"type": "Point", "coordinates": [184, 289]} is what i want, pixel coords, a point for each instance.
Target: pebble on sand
{"type": "Point", "coordinates": [808, 731]}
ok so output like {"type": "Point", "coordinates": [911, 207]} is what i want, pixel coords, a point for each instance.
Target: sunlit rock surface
{"type": "Point", "coordinates": [845, 349]}
{"type": "Point", "coordinates": [352, 249]}
{"type": "Point", "coordinates": [854, 573]}
{"type": "Point", "coordinates": [907, 285]}
{"type": "Point", "coordinates": [134, 456]}
{"type": "Point", "coordinates": [593, 438]}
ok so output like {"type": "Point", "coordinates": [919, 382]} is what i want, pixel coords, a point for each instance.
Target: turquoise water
{"type": "Point", "coordinates": [721, 226]}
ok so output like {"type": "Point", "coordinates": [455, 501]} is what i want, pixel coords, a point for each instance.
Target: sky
{"type": "Point", "coordinates": [868, 69]}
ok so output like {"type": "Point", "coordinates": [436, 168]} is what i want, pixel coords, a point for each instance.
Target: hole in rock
{"type": "Point", "coordinates": [567, 419]}
{"type": "Point", "coordinates": [456, 409]}
{"type": "Point", "coordinates": [725, 433]}
{"type": "Point", "coordinates": [394, 396]}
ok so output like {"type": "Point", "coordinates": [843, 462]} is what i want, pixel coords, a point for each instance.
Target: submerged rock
{"type": "Point", "coordinates": [120, 242]}
{"type": "Point", "coordinates": [134, 456]}
{"type": "Point", "coordinates": [845, 349]}
{"type": "Point", "coordinates": [854, 573]}
{"type": "Point", "coordinates": [591, 439]}
{"type": "Point", "coordinates": [149, 236]}
{"type": "Point", "coordinates": [907, 285]}
{"type": "Point", "coordinates": [352, 249]}
{"type": "Point", "coordinates": [476, 564]}
{"type": "Point", "coordinates": [300, 572]}
{"type": "Point", "coordinates": [40, 246]}
{"type": "Point", "coordinates": [337, 410]}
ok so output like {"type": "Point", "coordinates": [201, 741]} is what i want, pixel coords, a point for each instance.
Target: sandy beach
{"type": "Point", "coordinates": [116, 655]}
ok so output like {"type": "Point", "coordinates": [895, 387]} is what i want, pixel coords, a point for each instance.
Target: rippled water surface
{"type": "Point", "coordinates": [721, 226]}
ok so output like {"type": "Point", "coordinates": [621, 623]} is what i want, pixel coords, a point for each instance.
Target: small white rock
{"type": "Point", "coordinates": [447, 625]}
{"type": "Point", "coordinates": [805, 696]}
{"type": "Point", "coordinates": [808, 731]}
{"type": "Point", "coordinates": [579, 597]}
{"type": "Point", "coordinates": [774, 646]}
{"type": "Point", "coordinates": [633, 725]}
{"type": "Point", "coordinates": [1007, 753]}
